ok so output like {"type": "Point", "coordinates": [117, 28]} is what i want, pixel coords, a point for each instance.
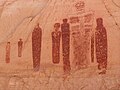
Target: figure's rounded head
{"type": "Point", "coordinates": [57, 25]}
{"type": "Point", "coordinates": [20, 39]}
{"type": "Point", "coordinates": [37, 24]}
{"type": "Point", "coordinates": [8, 42]}
{"type": "Point", "coordinates": [99, 21]}
{"type": "Point", "coordinates": [65, 20]}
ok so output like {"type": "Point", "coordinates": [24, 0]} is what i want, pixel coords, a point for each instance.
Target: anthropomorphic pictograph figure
{"type": "Point", "coordinates": [65, 28]}
{"type": "Point", "coordinates": [92, 48]}
{"type": "Point", "coordinates": [101, 46]}
{"type": "Point", "coordinates": [36, 46]}
{"type": "Point", "coordinates": [20, 47]}
{"type": "Point", "coordinates": [56, 35]}
{"type": "Point", "coordinates": [8, 52]}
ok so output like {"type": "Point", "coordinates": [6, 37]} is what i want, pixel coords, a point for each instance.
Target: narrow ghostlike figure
{"type": "Point", "coordinates": [36, 47]}
{"type": "Point", "coordinates": [20, 46]}
{"type": "Point", "coordinates": [92, 48]}
{"type": "Point", "coordinates": [8, 52]}
{"type": "Point", "coordinates": [65, 28]}
{"type": "Point", "coordinates": [56, 35]}
{"type": "Point", "coordinates": [101, 46]}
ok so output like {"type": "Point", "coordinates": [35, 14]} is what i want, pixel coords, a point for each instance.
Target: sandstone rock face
{"type": "Point", "coordinates": [18, 19]}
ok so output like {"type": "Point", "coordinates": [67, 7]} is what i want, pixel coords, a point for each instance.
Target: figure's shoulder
{"type": "Point", "coordinates": [39, 28]}
{"type": "Point", "coordinates": [53, 32]}
{"type": "Point", "coordinates": [104, 28]}
{"type": "Point", "coordinates": [68, 24]}
{"type": "Point", "coordinates": [65, 25]}
{"type": "Point", "coordinates": [59, 31]}
{"type": "Point", "coordinates": [62, 25]}
{"type": "Point", "coordinates": [96, 30]}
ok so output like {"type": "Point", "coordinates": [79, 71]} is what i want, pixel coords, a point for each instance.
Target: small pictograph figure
{"type": "Point", "coordinates": [8, 52]}
{"type": "Point", "coordinates": [20, 47]}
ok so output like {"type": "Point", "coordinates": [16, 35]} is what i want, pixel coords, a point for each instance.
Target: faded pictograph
{"type": "Point", "coordinates": [81, 29]}
{"type": "Point", "coordinates": [8, 52]}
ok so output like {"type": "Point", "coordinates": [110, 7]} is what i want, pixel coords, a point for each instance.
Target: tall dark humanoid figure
{"type": "Point", "coordinates": [36, 46]}
{"type": "Point", "coordinates": [65, 28]}
{"type": "Point", "coordinates": [101, 46]}
{"type": "Point", "coordinates": [56, 35]}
